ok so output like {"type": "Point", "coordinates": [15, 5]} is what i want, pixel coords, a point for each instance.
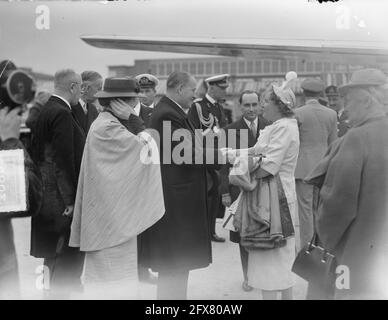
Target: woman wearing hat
{"type": "Point", "coordinates": [118, 196]}
{"type": "Point", "coordinates": [270, 269]}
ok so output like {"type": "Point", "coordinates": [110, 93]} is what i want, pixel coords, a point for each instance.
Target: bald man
{"type": "Point", "coordinates": [58, 143]}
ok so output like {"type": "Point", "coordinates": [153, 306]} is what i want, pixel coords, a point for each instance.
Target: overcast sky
{"type": "Point", "coordinates": [60, 46]}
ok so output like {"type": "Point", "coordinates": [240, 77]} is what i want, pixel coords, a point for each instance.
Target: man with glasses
{"type": "Point", "coordinates": [208, 114]}
{"type": "Point", "coordinates": [58, 143]}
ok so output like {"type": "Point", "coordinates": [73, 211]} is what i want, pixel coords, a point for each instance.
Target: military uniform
{"type": "Point", "coordinates": [147, 81]}
{"type": "Point", "coordinates": [209, 115]}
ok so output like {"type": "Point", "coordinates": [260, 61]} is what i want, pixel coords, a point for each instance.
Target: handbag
{"type": "Point", "coordinates": [315, 264]}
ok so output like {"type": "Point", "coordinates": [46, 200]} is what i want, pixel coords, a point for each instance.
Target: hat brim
{"type": "Point", "coordinates": [103, 94]}
{"type": "Point", "coordinates": [343, 89]}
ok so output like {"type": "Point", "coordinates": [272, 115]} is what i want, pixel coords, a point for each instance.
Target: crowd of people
{"type": "Point", "coordinates": [129, 186]}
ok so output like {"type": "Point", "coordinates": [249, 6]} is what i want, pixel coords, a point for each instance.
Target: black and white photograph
{"type": "Point", "coordinates": [194, 150]}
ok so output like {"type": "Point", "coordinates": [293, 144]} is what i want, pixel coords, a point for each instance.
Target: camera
{"type": "Point", "coordinates": [17, 88]}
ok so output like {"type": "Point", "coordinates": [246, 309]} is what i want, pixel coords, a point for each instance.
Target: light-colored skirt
{"type": "Point", "coordinates": [112, 273]}
{"type": "Point", "coordinates": [271, 269]}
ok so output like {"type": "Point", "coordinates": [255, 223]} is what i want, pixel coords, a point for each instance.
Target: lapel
{"type": "Point", "coordinates": [181, 113]}
{"type": "Point", "coordinates": [79, 116]}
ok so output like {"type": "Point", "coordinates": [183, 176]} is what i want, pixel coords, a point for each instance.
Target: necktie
{"type": "Point", "coordinates": [253, 128]}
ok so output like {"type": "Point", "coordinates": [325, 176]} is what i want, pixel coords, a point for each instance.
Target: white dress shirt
{"type": "Point", "coordinates": [137, 109]}
{"type": "Point", "coordinates": [83, 105]}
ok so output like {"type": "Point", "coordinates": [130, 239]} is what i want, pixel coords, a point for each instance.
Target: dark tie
{"type": "Point", "coordinates": [253, 129]}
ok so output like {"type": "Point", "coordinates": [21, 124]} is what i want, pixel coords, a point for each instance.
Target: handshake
{"type": "Point", "coordinates": [231, 154]}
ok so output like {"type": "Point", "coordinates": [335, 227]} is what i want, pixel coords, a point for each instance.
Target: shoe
{"type": "Point", "coordinates": [216, 238]}
{"type": "Point", "coordinates": [148, 277]}
{"type": "Point", "coordinates": [246, 287]}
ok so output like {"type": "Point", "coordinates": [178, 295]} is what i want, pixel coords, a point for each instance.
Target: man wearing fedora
{"type": "Point", "coordinates": [352, 221]}
{"type": "Point", "coordinates": [317, 130]}
{"type": "Point", "coordinates": [208, 114]}
{"type": "Point", "coordinates": [59, 143]}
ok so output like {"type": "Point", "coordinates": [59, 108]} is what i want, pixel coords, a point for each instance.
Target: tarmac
{"type": "Point", "coordinates": [222, 280]}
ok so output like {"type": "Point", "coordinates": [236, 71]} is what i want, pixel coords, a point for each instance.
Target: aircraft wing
{"type": "Point", "coordinates": [355, 52]}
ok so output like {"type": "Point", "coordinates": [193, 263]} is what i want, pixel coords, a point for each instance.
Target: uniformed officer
{"type": "Point", "coordinates": [143, 109]}
{"type": "Point", "coordinates": [336, 103]}
{"type": "Point", "coordinates": [147, 83]}
{"type": "Point", "coordinates": [208, 114]}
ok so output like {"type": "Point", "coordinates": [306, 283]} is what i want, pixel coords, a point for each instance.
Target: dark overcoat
{"type": "Point", "coordinates": [352, 219]}
{"type": "Point", "coordinates": [181, 239]}
{"type": "Point", "coordinates": [59, 142]}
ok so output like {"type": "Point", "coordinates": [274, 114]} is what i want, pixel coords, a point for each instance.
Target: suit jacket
{"type": "Point", "coordinates": [181, 238]}
{"type": "Point", "coordinates": [145, 114]}
{"type": "Point", "coordinates": [317, 130]}
{"type": "Point", "coordinates": [85, 120]}
{"type": "Point", "coordinates": [59, 143]}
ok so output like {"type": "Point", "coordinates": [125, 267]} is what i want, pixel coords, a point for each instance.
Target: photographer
{"type": "Point", "coordinates": [10, 122]}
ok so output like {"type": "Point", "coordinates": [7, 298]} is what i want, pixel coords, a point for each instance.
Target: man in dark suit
{"type": "Point", "coordinates": [143, 112]}
{"type": "Point", "coordinates": [208, 114]}
{"type": "Point", "coordinates": [59, 143]}
{"type": "Point", "coordinates": [180, 241]}
{"type": "Point", "coordinates": [244, 132]}
{"type": "Point", "coordinates": [85, 111]}
{"type": "Point", "coordinates": [336, 103]}
{"type": "Point", "coordinates": [317, 130]}
{"type": "Point", "coordinates": [146, 84]}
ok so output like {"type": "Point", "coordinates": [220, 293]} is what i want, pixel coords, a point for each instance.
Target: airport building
{"type": "Point", "coordinates": [246, 74]}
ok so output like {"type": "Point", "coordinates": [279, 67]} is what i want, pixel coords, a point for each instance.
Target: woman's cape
{"type": "Point", "coordinates": [118, 196]}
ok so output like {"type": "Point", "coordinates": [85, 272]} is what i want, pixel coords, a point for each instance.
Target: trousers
{"type": "Point", "coordinates": [305, 193]}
